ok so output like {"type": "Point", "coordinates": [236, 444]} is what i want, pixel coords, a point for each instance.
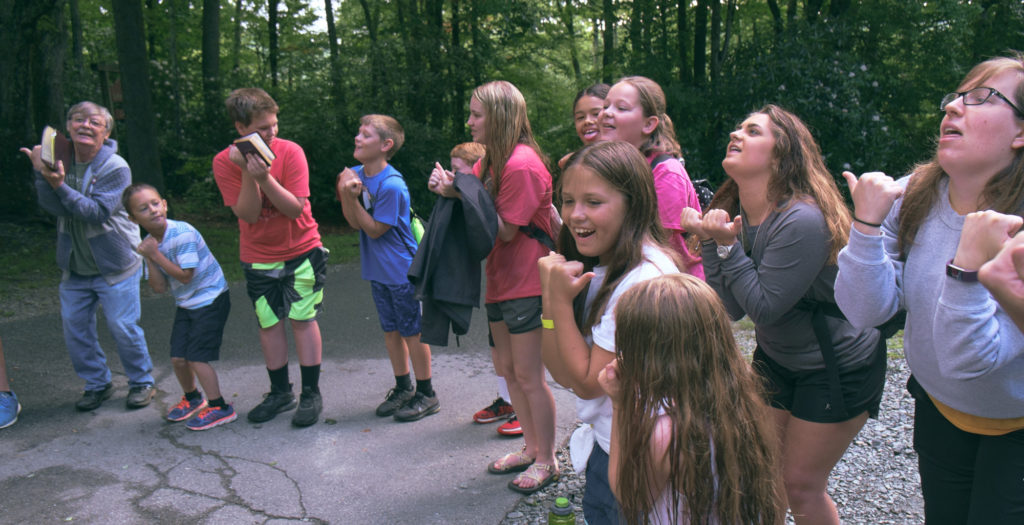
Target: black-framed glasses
{"type": "Point", "coordinates": [976, 97]}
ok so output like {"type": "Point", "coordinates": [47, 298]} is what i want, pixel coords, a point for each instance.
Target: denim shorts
{"type": "Point", "coordinates": [197, 333]}
{"type": "Point", "coordinates": [520, 315]}
{"type": "Point", "coordinates": [397, 307]}
{"type": "Point", "coordinates": [806, 394]}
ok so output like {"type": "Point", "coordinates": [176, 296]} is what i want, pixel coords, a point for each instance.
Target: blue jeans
{"type": "Point", "coordinates": [599, 505]}
{"type": "Point", "coordinates": [79, 299]}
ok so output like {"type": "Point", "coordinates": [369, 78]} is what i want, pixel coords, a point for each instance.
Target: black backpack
{"type": "Point", "coordinates": [705, 190]}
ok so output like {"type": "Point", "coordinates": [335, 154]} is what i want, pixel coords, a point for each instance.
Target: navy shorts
{"type": "Point", "coordinates": [520, 315]}
{"type": "Point", "coordinates": [806, 394]}
{"type": "Point", "coordinates": [397, 307]}
{"type": "Point", "coordinates": [197, 334]}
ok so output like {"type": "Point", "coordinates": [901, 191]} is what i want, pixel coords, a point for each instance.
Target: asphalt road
{"type": "Point", "coordinates": [118, 466]}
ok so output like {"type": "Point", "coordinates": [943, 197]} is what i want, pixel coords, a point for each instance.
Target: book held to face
{"type": "Point", "coordinates": [253, 144]}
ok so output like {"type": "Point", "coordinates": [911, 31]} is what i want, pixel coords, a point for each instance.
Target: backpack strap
{"type": "Point", "coordinates": [398, 231]}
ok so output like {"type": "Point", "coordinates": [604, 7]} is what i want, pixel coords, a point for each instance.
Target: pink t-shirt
{"type": "Point", "coordinates": [274, 237]}
{"type": "Point", "coordinates": [675, 192]}
{"type": "Point", "coordinates": [523, 198]}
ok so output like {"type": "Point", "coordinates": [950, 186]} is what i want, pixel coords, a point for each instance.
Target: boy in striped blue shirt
{"type": "Point", "coordinates": [177, 258]}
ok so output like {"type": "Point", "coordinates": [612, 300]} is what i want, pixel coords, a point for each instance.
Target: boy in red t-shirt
{"type": "Point", "coordinates": [279, 245]}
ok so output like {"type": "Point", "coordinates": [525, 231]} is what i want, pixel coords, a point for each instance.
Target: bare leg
{"type": "Point", "coordinates": [308, 343]}
{"type": "Point", "coordinates": [398, 352]}
{"type": "Point", "coordinates": [809, 452]}
{"type": "Point", "coordinates": [531, 396]}
{"type": "Point", "coordinates": [274, 342]}
{"type": "Point", "coordinates": [420, 354]}
{"type": "Point", "coordinates": [207, 378]}
{"type": "Point", "coordinates": [184, 374]}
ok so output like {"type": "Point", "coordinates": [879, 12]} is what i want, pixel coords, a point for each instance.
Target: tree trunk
{"type": "Point", "coordinates": [730, 19]}
{"type": "Point", "coordinates": [700, 42]}
{"type": "Point", "coordinates": [237, 42]}
{"type": "Point", "coordinates": [77, 57]}
{"type": "Point", "coordinates": [773, 6]}
{"type": "Point", "coordinates": [371, 29]}
{"type": "Point", "coordinates": [140, 136]}
{"type": "Point", "coordinates": [26, 23]}
{"type": "Point", "coordinates": [570, 29]}
{"type": "Point", "coordinates": [211, 58]}
{"type": "Point", "coordinates": [608, 64]}
{"type": "Point", "coordinates": [272, 32]}
{"type": "Point", "coordinates": [337, 98]}
{"type": "Point", "coordinates": [716, 39]}
{"type": "Point", "coordinates": [683, 39]}
{"type": "Point", "coordinates": [172, 38]}
{"type": "Point", "coordinates": [457, 75]}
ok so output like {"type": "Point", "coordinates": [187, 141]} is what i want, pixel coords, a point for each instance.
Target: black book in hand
{"type": "Point", "coordinates": [252, 144]}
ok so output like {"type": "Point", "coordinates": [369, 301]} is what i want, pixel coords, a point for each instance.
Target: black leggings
{"type": "Point", "coordinates": [966, 478]}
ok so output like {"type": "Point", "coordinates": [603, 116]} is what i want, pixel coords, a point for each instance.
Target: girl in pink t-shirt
{"type": "Point", "coordinates": [514, 171]}
{"type": "Point", "coordinates": [634, 112]}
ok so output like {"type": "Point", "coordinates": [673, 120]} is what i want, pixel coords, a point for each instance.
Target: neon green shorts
{"type": "Point", "coordinates": [291, 289]}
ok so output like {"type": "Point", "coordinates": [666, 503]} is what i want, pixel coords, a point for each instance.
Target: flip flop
{"type": "Point", "coordinates": [534, 473]}
{"type": "Point", "coordinates": [514, 462]}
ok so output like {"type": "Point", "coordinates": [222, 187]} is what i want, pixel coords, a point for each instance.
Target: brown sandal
{"type": "Point", "coordinates": [542, 476]}
{"type": "Point", "coordinates": [514, 462]}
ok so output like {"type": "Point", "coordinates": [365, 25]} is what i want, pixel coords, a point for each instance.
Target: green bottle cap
{"type": "Point", "coordinates": [562, 502]}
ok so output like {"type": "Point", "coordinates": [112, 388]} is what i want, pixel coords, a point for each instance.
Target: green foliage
{"type": "Point", "coordinates": [866, 80]}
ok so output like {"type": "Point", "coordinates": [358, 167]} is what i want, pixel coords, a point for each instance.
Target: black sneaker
{"type": "Point", "coordinates": [310, 406]}
{"type": "Point", "coordinates": [139, 396]}
{"type": "Point", "coordinates": [418, 407]}
{"type": "Point", "coordinates": [393, 401]}
{"type": "Point", "coordinates": [92, 399]}
{"type": "Point", "coordinates": [274, 402]}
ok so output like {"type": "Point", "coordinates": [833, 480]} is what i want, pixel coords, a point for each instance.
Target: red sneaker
{"type": "Point", "coordinates": [499, 409]}
{"type": "Point", "coordinates": [511, 427]}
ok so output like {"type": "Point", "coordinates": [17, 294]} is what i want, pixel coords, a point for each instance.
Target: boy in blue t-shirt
{"type": "Point", "coordinates": [177, 255]}
{"type": "Point", "coordinates": [375, 199]}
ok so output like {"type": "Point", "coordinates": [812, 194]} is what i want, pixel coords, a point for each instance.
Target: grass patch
{"type": "Point", "coordinates": [29, 251]}
{"type": "Point", "coordinates": [28, 256]}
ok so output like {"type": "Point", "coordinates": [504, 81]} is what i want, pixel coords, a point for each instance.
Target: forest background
{"type": "Point", "coordinates": [866, 75]}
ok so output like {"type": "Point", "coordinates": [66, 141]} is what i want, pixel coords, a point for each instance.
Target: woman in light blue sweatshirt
{"type": "Point", "coordinates": [911, 248]}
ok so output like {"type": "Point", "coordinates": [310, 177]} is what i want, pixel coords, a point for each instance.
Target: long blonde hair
{"type": "Point", "coordinates": [676, 353]}
{"type": "Point", "coordinates": [1004, 192]}
{"type": "Point", "coordinates": [798, 172]}
{"type": "Point", "coordinates": [506, 125]}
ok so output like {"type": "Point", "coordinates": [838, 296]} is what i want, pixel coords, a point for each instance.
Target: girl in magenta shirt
{"type": "Point", "coordinates": [634, 112]}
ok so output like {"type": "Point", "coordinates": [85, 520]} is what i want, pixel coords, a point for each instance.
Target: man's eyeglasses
{"type": "Point", "coordinates": [977, 97]}
{"type": "Point", "coordinates": [94, 122]}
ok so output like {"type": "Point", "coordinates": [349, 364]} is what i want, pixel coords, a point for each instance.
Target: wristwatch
{"type": "Point", "coordinates": [960, 274]}
{"type": "Point", "coordinates": [724, 251]}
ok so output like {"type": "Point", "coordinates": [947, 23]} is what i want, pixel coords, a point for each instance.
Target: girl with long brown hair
{"type": "Point", "coordinates": [769, 244]}
{"type": "Point", "coordinates": [692, 441]}
{"type": "Point", "coordinates": [918, 244]}
{"type": "Point", "coordinates": [515, 172]}
{"type": "Point", "coordinates": [611, 239]}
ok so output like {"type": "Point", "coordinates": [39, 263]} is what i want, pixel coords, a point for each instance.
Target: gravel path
{"type": "Point", "coordinates": [876, 481]}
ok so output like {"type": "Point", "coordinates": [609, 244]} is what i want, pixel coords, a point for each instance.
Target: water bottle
{"type": "Point", "coordinates": [561, 513]}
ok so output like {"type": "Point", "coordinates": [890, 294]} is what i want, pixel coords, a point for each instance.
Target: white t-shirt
{"type": "Point", "coordinates": [596, 414]}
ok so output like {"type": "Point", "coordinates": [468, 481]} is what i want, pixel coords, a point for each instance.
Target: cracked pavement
{"type": "Point", "coordinates": [113, 465]}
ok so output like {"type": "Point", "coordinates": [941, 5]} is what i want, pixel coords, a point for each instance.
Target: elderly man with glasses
{"type": "Point", "coordinates": [96, 254]}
